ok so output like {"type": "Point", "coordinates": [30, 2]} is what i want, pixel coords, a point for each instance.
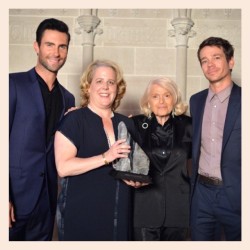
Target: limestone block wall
{"type": "Point", "coordinates": [224, 23]}
{"type": "Point", "coordinates": [137, 39]}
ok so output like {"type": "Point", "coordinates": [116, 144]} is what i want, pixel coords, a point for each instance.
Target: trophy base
{"type": "Point", "coordinates": [130, 176]}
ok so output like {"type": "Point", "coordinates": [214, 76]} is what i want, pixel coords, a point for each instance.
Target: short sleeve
{"type": "Point", "coordinates": [70, 127]}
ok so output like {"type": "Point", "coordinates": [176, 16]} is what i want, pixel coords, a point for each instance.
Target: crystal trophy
{"type": "Point", "coordinates": [136, 166]}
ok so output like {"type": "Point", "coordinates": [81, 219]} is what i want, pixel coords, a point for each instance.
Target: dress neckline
{"type": "Point", "coordinates": [94, 111]}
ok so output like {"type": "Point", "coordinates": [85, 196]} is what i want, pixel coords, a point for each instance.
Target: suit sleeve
{"type": "Point", "coordinates": [70, 101]}
{"type": "Point", "coordinates": [12, 110]}
{"type": "Point", "coordinates": [12, 102]}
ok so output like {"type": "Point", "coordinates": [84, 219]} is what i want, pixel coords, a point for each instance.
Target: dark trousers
{"type": "Point", "coordinates": [212, 216]}
{"type": "Point", "coordinates": [160, 234]}
{"type": "Point", "coordinates": [37, 226]}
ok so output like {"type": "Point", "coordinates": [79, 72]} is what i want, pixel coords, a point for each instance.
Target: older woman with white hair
{"type": "Point", "coordinates": [161, 210]}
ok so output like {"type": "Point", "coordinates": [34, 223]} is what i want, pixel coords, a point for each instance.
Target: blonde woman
{"type": "Point", "coordinates": [92, 204]}
{"type": "Point", "coordinates": [161, 210]}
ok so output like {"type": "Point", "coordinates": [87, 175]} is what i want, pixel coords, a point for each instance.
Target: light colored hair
{"type": "Point", "coordinates": [168, 84]}
{"type": "Point", "coordinates": [87, 78]}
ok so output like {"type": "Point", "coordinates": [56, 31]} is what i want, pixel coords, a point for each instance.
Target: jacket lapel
{"type": "Point", "coordinates": [36, 95]}
{"type": "Point", "coordinates": [233, 112]}
{"type": "Point", "coordinates": [63, 100]}
{"type": "Point", "coordinates": [197, 123]}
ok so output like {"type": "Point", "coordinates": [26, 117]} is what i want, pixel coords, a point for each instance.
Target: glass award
{"type": "Point", "coordinates": [136, 166]}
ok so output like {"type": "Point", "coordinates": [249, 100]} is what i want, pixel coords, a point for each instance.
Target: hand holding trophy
{"type": "Point", "coordinates": [136, 166]}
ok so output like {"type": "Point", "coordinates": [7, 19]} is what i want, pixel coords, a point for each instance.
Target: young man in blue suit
{"type": "Point", "coordinates": [37, 102]}
{"type": "Point", "coordinates": [216, 173]}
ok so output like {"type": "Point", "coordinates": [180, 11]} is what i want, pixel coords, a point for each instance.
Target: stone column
{"type": "Point", "coordinates": [88, 22]}
{"type": "Point", "coordinates": [182, 24]}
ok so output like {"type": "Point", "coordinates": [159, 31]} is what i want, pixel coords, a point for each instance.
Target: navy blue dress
{"type": "Point", "coordinates": [93, 206]}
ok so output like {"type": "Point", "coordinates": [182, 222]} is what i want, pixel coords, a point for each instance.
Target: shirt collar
{"type": "Point", "coordinates": [43, 83]}
{"type": "Point", "coordinates": [222, 95]}
{"type": "Point", "coordinates": [156, 124]}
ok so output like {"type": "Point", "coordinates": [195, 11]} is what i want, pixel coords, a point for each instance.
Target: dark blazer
{"type": "Point", "coordinates": [165, 202]}
{"type": "Point", "coordinates": [231, 145]}
{"type": "Point", "coordinates": [30, 159]}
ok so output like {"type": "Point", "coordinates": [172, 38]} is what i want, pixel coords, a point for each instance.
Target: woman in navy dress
{"type": "Point", "coordinates": [92, 204]}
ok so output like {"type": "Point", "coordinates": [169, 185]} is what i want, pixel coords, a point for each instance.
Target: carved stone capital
{"type": "Point", "coordinates": [88, 28]}
{"type": "Point", "coordinates": [88, 23]}
{"type": "Point", "coordinates": [182, 30]}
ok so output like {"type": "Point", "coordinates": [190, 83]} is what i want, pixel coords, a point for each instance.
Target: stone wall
{"type": "Point", "coordinates": [138, 40]}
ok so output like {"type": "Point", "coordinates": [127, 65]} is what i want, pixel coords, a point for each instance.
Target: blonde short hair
{"type": "Point", "coordinates": [168, 84]}
{"type": "Point", "coordinates": [87, 78]}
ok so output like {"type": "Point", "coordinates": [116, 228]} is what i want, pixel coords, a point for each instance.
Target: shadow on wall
{"type": "Point", "coordinates": [129, 107]}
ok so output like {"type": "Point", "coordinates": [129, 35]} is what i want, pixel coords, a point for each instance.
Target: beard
{"type": "Point", "coordinates": [50, 67]}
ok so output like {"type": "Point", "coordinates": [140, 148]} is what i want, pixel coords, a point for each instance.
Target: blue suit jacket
{"type": "Point", "coordinates": [231, 145]}
{"type": "Point", "coordinates": [30, 159]}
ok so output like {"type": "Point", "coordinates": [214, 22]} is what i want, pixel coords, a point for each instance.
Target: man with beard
{"type": "Point", "coordinates": [37, 102]}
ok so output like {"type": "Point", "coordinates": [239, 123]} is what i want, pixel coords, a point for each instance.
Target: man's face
{"type": "Point", "coordinates": [214, 64]}
{"type": "Point", "coordinates": [53, 50]}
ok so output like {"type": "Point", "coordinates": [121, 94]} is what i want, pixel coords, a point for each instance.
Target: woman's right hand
{"type": "Point", "coordinates": [120, 149]}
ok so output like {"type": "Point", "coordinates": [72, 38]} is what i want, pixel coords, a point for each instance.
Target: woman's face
{"type": "Point", "coordinates": [161, 101]}
{"type": "Point", "coordinates": [103, 88]}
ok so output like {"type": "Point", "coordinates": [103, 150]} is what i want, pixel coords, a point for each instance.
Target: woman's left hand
{"type": "Point", "coordinates": [135, 184]}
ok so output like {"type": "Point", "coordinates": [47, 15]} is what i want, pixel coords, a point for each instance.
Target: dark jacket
{"type": "Point", "coordinates": [231, 144]}
{"type": "Point", "coordinates": [166, 201]}
{"type": "Point", "coordinates": [31, 160]}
